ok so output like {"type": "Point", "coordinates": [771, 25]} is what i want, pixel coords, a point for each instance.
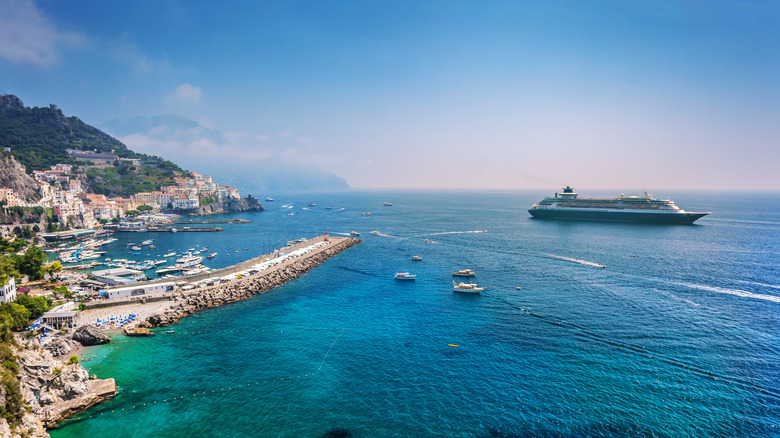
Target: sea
{"type": "Point", "coordinates": [677, 335]}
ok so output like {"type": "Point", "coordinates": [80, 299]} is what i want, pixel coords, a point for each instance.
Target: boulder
{"type": "Point", "coordinates": [88, 335]}
{"type": "Point", "coordinates": [60, 347]}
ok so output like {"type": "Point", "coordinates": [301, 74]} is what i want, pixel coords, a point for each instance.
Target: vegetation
{"type": "Point", "coordinates": [126, 180]}
{"type": "Point", "coordinates": [209, 200]}
{"type": "Point", "coordinates": [39, 138]}
{"type": "Point", "coordinates": [73, 360]}
{"type": "Point", "coordinates": [144, 207]}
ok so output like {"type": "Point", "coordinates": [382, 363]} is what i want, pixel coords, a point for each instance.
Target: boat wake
{"type": "Point", "coordinates": [582, 262]}
{"type": "Point", "coordinates": [304, 208]}
{"type": "Point", "coordinates": [452, 232]}
{"type": "Point", "coordinates": [340, 209]}
{"type": "Point", "coordinates": [754, 283]}
{"type": "Point", "coordinates": [737, 292]}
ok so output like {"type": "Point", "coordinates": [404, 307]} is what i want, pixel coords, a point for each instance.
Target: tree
{"type": "Point", "coordinates": [35, 306]}
{"type": "Point", "coordinates": [31, 262]}
{"type": "Point", "coordinates": [8, 270]}
{"type": "Point", "coordinates": [115, 220]}
{"type": "Point", "coordinates": [103, 221]}
{"type": "Point", "coordinates": [143, 208]}
{"type": "Point", "coordinates": [132, 212]}
{"type": "Point", "coordinates": [53, 268]}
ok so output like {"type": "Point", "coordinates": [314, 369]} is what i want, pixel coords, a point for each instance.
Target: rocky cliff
{"type": "Point", "coordinates": [14, 176]}
{"type": "Point", "coordinates": [53, 391]}
{"type": "Point", "coordinates": [250, 203]}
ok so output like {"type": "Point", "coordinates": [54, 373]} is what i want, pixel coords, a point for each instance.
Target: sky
{"type": "Point", "coordinates": [657, 94]}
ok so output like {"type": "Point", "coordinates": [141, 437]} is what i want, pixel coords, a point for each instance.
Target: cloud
{"type": "Point", "coordinates": [27, 36]}
{"type": "Point", "coordinates": [186, 93]}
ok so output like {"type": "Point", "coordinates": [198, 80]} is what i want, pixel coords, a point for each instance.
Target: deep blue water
{"type": "Point", "coordinates": [677, 337]}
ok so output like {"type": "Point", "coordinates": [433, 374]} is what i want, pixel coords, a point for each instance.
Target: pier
{"type": "Point", "coordinates": [187, 301]}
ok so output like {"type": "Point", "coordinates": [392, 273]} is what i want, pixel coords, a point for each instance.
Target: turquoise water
{"type": "Point", "coordinates": [677, 337]}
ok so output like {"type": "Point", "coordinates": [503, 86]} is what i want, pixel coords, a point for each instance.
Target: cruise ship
{"type": "Point", "coordinates": [645, 209]}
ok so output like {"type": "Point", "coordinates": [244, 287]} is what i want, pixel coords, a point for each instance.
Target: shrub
{"type": "Point", "coordinates": [73, 360]}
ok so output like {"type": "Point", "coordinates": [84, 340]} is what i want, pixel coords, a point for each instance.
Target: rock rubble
{"type": "Point", "coordinates": [243, 288]}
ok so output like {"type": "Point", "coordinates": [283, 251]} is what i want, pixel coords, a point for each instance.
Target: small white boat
{"type": "Point", "coordinates": [211, 256]}
{"type": "Point", "coordinates": [466, 288]}
{"type": "Point", "coordinates": [464, 273]}
{"type": "Point", "coordinates": [354, 233]}
{"type": "Point", "coordinates": [135, 248]}
{"type": "Point", "coordinates": [404, 276]}
{"type": "Point", "coordinates": [269, 199]}
{"type": "Point", "coordinates": [170, 254]}
{"type": "Point", "coordinates": [375, 233]}
{"type": "Point", "coordinates": [416, 258]}
{"type": "Point", "coordinates": [387, 204]}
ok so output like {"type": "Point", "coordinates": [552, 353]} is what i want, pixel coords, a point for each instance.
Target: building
{"type": "Point", "coordinates": [9, 197]}
{"type": "Point", "coordinates": [60, 316]}
{"type": "Point", "coordinates": [93, 156]}
{"type": "Point", "coordinates": [146, 198]}
{"type": "Point", "coordinates": [181, 202]}
{"type": "Point", "coordinates": [139, 290]}
{"type": "Point", "coordinates": [118, 276]}
{"type": "Point", "coordinates": [8, 291]}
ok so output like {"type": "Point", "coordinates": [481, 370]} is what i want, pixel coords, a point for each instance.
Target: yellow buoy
{"type": "Point", "coordinates": [454, 345]}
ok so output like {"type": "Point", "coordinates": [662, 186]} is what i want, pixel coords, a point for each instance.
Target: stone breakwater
{"type": "Point", "coordinates": [191, 301]}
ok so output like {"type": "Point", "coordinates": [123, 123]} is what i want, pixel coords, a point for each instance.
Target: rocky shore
{"type": "Point", "coordinates": [53, 390]}
{"type": "Point", "coordinates": [224, 293]}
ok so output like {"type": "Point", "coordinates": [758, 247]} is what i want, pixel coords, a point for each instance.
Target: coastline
{"type": "Point", "coordinates": [158, 311]}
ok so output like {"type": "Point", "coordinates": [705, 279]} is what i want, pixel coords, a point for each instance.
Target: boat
{"type": "Point", "coordinates": [464, 273]}
{"type": "Point", "coordinates": [387, 204]}
{"type": "Point", "coordinates": [136, 248]}
{"type": "Point", "coordinates": [645, 209]}
{"type": "Point", "coordinates": [328, 208]}
{"type": "Point", "coordinates": [375, 233]}
{"type": "Point", "coordinates": [466, 288]}
{"type": "Point", "coordinates": [354, 233]}
{"type": "Point", "coordinates": [187, 261]}
{"type": "Point", "coordinates": [269, 199]}
{"type": "Point", "coordinates": [404, 276]}
{"type": "Point", "coordinates": [170, 254]}
{"type": "Point", "coordinates": [211, 256]}
{"type": "Point", "coordinates": [311, 204]}
{"type": "Point", "coordinates": [170, 332]}
{"type": "Point", "coordinates": [416, 258]}
{"type": "Point", "coordinates": [173, 229]}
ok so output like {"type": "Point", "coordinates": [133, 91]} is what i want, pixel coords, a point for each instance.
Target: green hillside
{"type": "Point", "coordinates": [39, 137]}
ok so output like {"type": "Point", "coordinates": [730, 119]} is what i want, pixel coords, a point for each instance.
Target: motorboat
{"type": "Point", "coordinates": [466, 288]}
{"type": "Point", "coordinates": [404, 276]}
{"type": "Point", "coordinates": [269, 199]}
{"type": "Point", "coordinates": [416, 258]}
{"type": "Point", "coordinates": [464, 273]}
{"type": "Point", "coordinates": [375, 233]}
{"type": "Point", "coordinates": [188, 260]}
{"type": "Point", "coordinates": [170, 254]}
{"type": "Point", "coordinates": [354, 233]}
{"type": "Point", "coordinates": [211, 256]}
{"type": "Point", "coordinates": [387, 204]}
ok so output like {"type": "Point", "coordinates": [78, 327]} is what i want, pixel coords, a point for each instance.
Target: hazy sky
{"type": "Point", "coordinates": [431, 94]}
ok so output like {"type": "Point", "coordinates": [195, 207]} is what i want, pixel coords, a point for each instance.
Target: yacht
{"type": "Point", "coordinates": [170, 254]}
{"type": "Point", "coordinates": [416, 258]}
{"type": "Point", "coordinates": [404, 276]}
{"type": "Point", "coordinates": [464, 273]}
{"type": "Point", "coordinates": [466, 288]}
{"type": "Point", "coordinates": [211, 256]}
{"type": "Point", "coordinates": [188, 260]}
